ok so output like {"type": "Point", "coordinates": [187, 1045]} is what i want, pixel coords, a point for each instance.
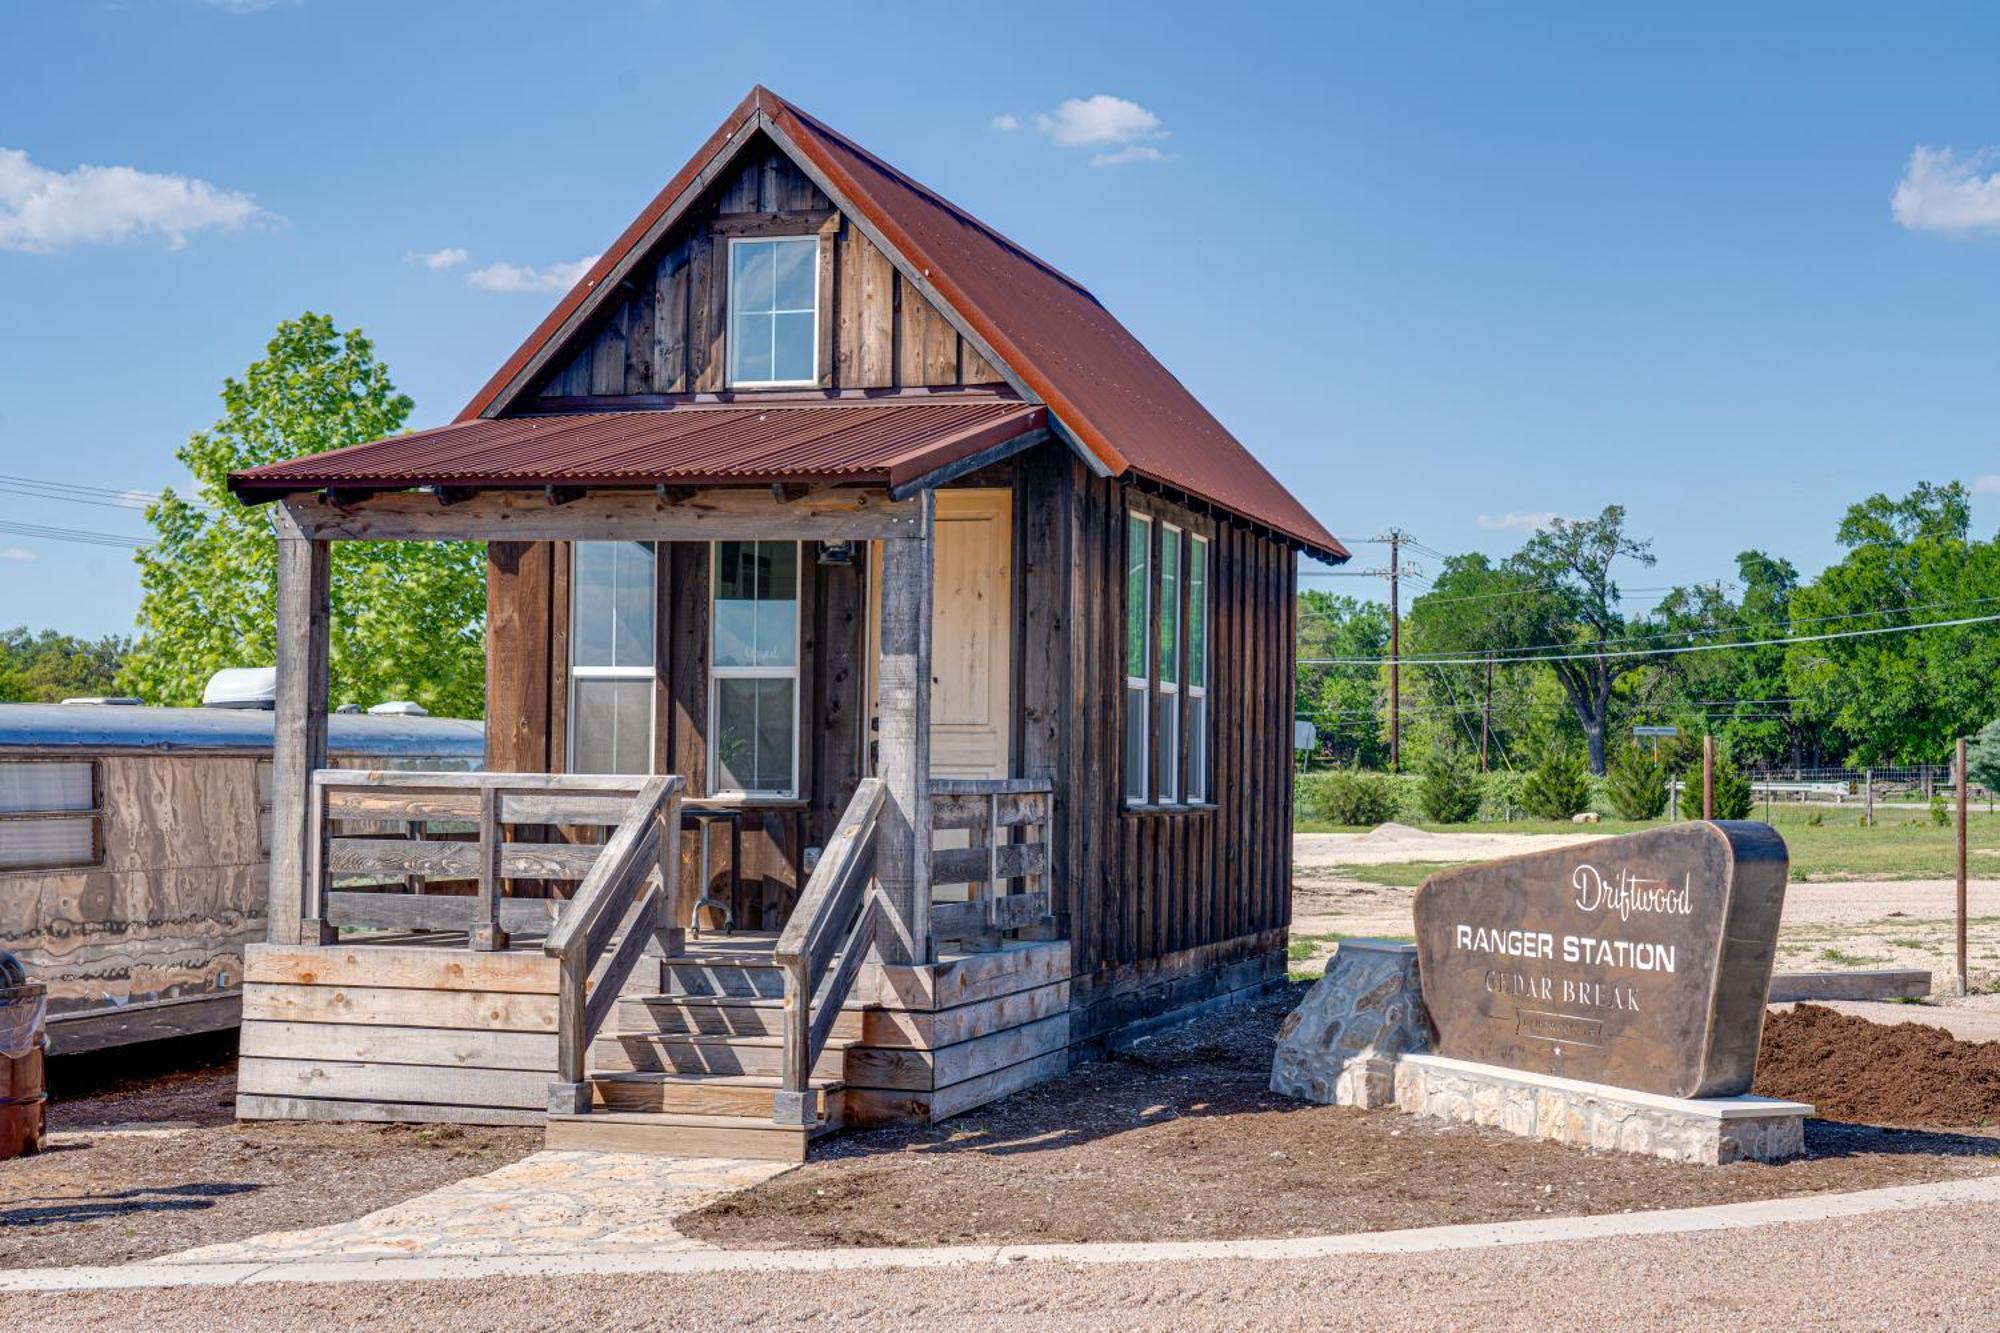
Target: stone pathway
{"type": "Point", "coordinates": [553, 1203]}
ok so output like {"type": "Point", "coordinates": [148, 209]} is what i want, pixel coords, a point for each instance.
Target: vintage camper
{"type": "Point", "coordinates": [135, 853]}
{"type": "Point", "coordinates": [829, 524]}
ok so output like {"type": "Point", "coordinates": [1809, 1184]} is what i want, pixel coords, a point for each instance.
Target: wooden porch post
{"type": "Point", "coordinates": [299, 742]}
{"type": "Point", "coordinates": [903, 836]}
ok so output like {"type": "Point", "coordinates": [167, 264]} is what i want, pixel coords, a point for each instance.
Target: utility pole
{"type": "Point", "coordinates": [1962, 784]}
{"type": "Point", "coordinates": [1707, 776]}
{"type": "Point", "coordinates": [1486, 716]}
{"type": "Point", "coordinates": [1395, 653]}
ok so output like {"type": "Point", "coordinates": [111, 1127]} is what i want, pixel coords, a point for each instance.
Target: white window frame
{"type": "Point", "coordinates": [1197, 792]}
{"type": "Point", "coordinates": [717, 674]}
{"type": "Point", "coordinates": [1139, 688]}
{"type": "Point", "coordinates": [580, 672]}
{"type": "Point", "coordinates": [1169, 789]}
{"type": "Point", "coordinates": [94, 812]}
{"type": "Point", "coordinates": [729, 276]}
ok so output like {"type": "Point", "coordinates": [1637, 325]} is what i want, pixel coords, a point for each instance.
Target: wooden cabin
{"type": "Point", "coordinates": [889, 691]}
{"type": "Point", "coordinates": [135, 853]}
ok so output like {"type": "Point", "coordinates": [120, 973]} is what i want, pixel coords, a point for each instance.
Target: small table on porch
{"type": "Point", "coordinates": [703, 816]}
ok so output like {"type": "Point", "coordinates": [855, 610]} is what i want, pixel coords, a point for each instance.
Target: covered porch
{"type": "Point", "coordinates": [439, 942]}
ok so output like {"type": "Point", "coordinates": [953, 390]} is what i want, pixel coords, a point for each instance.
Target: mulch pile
{"type": "Point", "coordinates": [1907, 1074]}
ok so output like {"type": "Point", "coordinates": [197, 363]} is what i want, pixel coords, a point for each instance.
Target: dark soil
{"type": "Point", "coordinates": [1181, 1138]}
{"type": "Point", "coordinates": [1908, 1074]}
{"type": "Point", "coordinates": [101, 1196]}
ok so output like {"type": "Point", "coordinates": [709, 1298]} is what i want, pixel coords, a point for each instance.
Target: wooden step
{"type": "Point", "coordinates": [681, 1135]}
{"type": "Point", "coordinates": [747, 1095]}
{"type": "Point", "coordinates": [750, 976]}
{"type": "Point", "coordinates": [716, 1015]}
{"type": "Point", "coordinates": [700, 1053]}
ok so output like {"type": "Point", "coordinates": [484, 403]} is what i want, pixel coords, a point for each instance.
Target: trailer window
{"type": "Point", "coordinates": [50, 815]}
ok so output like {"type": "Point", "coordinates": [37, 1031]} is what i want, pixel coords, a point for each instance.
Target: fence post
{"type": "Point", "coordinates": [1962, 785]}
{"type": "Point", "coordinates": [1868, 783]}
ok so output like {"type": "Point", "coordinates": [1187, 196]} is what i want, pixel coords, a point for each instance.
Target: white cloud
{"type": "Point", "coordinates": [1986, 485]}
{"type": "Point", "coordinates": [1005, 121]}
{"type": "Point", "coordinates": [16, 553]}
{"type": "Point", "coordinates": [523, 278]}
{"type": "Point", "coordinates": [1126, 131]}
{"type": "Point", "coordinates": [43, 210]}
{"type": "Point", "coordinates": [449, 257]}
{"type": "Point", "coordinates": [1513, 522]}
{"type": "Point", "coordinates": [1942, 191]}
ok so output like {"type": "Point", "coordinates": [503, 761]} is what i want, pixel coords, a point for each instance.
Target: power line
{"type": "Point", "coordinates": [1657, 652]}
{"type": "Point", "coordinates": [77, 535]}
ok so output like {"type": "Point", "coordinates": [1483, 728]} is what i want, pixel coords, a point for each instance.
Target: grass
{"type": "Point", "coordinates": [1307, 949]}
{"type": "Point", "coordinates": [1399, 875]}
{"type": "Point", "coordinates": [1904, 844]}
{"type": "Point", "coordinates": [1840, 958]}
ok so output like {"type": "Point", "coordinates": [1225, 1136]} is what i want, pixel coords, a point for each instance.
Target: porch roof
{"type": "Point", "coordinates": [877, 441]}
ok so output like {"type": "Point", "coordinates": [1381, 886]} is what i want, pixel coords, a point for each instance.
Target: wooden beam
{"type": "Point", "coordinates": [754, 514]}
{"type": "Point", "coordinates": [299, 739]}
{"type": "Point", "coordinates": [903, 705]}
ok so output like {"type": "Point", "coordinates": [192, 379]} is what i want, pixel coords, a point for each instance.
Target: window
{"type": "Point", "coordinates": [1168, 786]}
{"type": "Point", "coordinates": [1138, 683]}
{"type": "Point", "coordinates": [1166, 665]}
{"type": "Point", "coordinates": [49, 815]}
{"type": "Point", "coordinates": [611, 658]}
{"type": "Point", "coordinates": [773, 311]}
{"type": "Point", "coordinates": [753, 693]}
{"type": "Point", "coordinates": [1197, 670]}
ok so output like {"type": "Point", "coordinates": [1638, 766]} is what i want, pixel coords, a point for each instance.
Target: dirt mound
{"type": "Point", "coordinates": [1394, 832]}
{"type": "Point", "coordinates": [1908, 1074]}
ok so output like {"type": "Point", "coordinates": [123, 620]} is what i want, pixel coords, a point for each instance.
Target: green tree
{"type": "Point", "coordinates": [1473, 607]}
{"type": "Point", "coordinates": [1982, 757]}
{"type": "Point", "coordinates": [1344, 703]}
{"type": "Point", "coordinates": [1450, 786]}
{"type": "Point", "coordinates": [1637, 784]}
{"type": "Point", "coordinates": [1733, 796]}
{"type": "Point", "coordinates": [407, 616]}
{"type": "Point", "coordinates": [1557, 787]}
{"type": "Point", "coordinates": [49, 667]}
{"type": "Point", "coordinates": [1901, 698]}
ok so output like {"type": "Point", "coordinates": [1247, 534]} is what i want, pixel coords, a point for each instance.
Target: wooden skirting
{"type": "Point", "coordinates": [1119, 1004]}
{"type": "Point", "coordinates": [396, 1032]}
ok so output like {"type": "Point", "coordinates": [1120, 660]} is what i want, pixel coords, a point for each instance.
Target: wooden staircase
{"type": "Point", "coordinates": [691, 1063]}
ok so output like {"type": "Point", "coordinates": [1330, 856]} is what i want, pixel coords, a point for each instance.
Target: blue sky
{"type": "Point", "coordinates": [1443, 267]}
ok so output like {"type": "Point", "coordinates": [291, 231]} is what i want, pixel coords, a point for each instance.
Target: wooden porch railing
{"type": "Point", "coordinates": [418, 841]}
{"type": "Point", "coordinates": [1008, 821]}
{"type": "Point", "coordinates": [626, 897]}
{"type": "Point", "coordinates": [838, 913]}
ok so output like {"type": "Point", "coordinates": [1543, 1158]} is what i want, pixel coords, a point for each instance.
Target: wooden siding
{"type": "Point", "coordinates": [877, 331]}
{"type": "Point", "coordinates": [1174, 904]}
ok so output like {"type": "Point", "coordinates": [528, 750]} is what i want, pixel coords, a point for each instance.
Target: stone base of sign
{"type": "Point", "coordinates": [1341, 1045]}
{"type": "Point", "coordinates": [1710, 1130]}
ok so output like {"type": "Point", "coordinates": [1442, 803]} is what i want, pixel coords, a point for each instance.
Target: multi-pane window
{"type": "Point", "coordinates": [49, 814]}
{"type": "Point", "coordinates": [612, 655]}
{"type": "Point", "coordinates": [1166, 664]}
{"type": "Point", "coordinates": [754, 669]}
{"type": "Point", "coordinates": [773, 310]}
{"type": "Point", "coordinates": [1167, 788]}
{"type": "Point", "coordinates": [1138, 683]}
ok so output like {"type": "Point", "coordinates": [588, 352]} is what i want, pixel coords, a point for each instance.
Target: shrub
{"type": "Point", "coordinates": [1982, 757]}
{"type": "Point", "coordinates": [1449, 790]}
{"type": "Point", "coordinates": [1732, 791]}
{"type": "Point", "coordinates": [1348, 796]}
{"type": "Point", "coordinates": [1940, 812]}
{"type": "Point", "coordinates": [1635, 785]}
{"type": "Point", "coordinates": [1558, 786]}
{"type": "Point", "coordinates": [1500, 795]}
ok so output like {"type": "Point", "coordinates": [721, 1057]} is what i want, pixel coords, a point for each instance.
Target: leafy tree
{"type": "Point", "coordinates": [407, 616]}
{"type": "Point", "coordinates": [1732, 797]}
{"type": "Point", "coordinates": [49, 667]}
{"type": "Point", "coordinates": [1637, 786]}
{"type": "Point", "coordinates": [1557, 787]}
{"type": "Point", "coordinates": [1345, 703]}
{"type": "Point", "coordinates": [1472, 608]}
{"type": "Point", "coordinates": [1901, 697]}
{"type": "Point", "coordinates": [1982, 757]}
{"type": "Point", "coordinates": [1450, 788]}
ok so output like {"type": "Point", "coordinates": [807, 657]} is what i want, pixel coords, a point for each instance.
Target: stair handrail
{"type": "Point", "coordinates": [838, 913]}
{"type": "Point", "coordinates": [631, 883]}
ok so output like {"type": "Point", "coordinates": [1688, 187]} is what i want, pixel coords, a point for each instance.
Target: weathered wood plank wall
{"type": "Point", "coordinates": [667, 335]}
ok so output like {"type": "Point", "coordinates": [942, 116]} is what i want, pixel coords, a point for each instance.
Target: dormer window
{"type": "Point", "coordinates": [773, 311]}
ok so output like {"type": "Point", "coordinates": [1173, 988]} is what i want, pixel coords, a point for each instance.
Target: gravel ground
{"type": "Point", "coordinates": [1923, 1269]}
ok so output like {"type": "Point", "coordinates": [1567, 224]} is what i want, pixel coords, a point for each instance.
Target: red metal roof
{"type": "Point", "coordinates": [879, 441]}
{"type": "Point", "coordinates": [1104, 387]}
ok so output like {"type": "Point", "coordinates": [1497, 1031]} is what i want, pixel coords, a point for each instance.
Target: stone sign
{"type": "Point", "coordinates": [1642, 962]}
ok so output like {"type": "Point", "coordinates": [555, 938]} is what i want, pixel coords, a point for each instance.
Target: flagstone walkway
{"type": "Point", "coordinates": [553, 1203]}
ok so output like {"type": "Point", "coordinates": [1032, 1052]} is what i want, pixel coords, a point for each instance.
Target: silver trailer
{"type": "Point", "coordinates": [135, 852]}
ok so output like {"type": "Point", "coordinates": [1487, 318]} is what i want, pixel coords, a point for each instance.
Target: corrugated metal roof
{"type": "Point", "coordinates": [94, 727]}
{"type": "Point", "coordinates": [878, 440]}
